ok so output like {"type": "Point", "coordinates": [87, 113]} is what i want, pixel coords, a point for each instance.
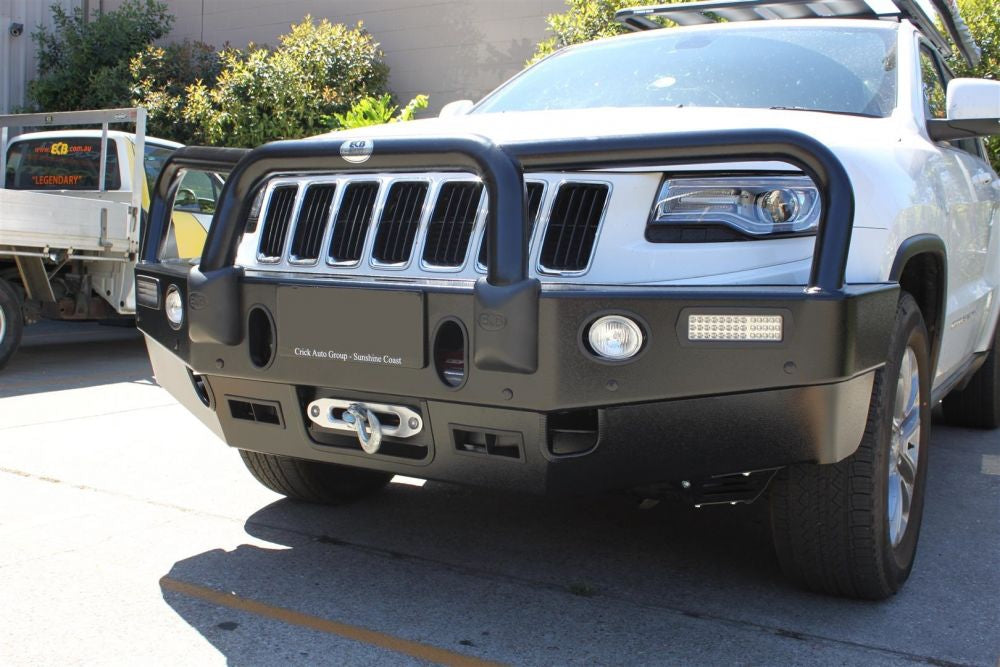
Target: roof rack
{"type": "Point", "coordinates": [707, 11]}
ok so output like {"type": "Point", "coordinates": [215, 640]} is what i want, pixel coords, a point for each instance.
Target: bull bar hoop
{"type": "Point", "coordinates": [507, 290]}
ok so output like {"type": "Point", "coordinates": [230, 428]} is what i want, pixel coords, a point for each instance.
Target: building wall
{"type": "Point", "coordinates": [17, 54]}
{"type": "Point", "coordinates": [448, 49]}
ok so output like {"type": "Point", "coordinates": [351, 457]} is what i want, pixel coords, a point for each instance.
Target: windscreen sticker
{"type": "Point", "coordinates": [62, 148]}
{"type": "Point", "coordinates": [57, 179]}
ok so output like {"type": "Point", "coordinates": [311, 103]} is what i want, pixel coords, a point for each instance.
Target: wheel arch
{"type": "Point", "coordinates": [921, 268]}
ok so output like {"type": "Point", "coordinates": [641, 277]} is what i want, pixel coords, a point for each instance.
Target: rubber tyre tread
{"type": "Point", "coordinates": [977, 405]}
{"type": "Point", "coordinates": [829, 522]}
{"type": "Point", "coordinates": [313, 481]}
{"type": "Point", "coordinates": [10, 302]}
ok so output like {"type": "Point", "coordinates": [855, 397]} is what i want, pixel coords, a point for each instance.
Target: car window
{"type": "Point", "coordinates": [847, 70]}
{"type": "Point", "coordinates": [932, 85]}
{"type": "Point", "coordinates": [61, 163]}
{"type": "Point", "coordinates": [152, 163]}
{"type": "Point", "coordinates": [198, 192]}
{"type": "Point", "coordinates": [193, 208]}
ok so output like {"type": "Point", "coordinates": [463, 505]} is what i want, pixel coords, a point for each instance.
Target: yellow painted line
{"type": "Point", "coordinates": [406, 647]}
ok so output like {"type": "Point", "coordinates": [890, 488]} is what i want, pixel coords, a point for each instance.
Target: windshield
{"type": "Point", "coordinates": [844, 70]}
{"type": "Point", "coordinates": [61, 163]}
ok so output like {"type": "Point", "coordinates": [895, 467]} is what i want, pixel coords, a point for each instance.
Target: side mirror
{"type": "Point", "coordinates": [456, 108]}
{"type": "Point", "coordinates": [973, 111]}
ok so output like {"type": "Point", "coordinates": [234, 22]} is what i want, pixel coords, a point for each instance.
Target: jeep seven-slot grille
{"type": "Point", "coordinates": [397, 228]}
{"type": "Point", "coordinates": [306, 211]}
{"type": "Point", "coordinates": [451, 224]}
{"type": "Point", "coordinates": [276, 219]}
{"type": "Point", "coordinates": [353, 219]}
{"type": "Point", "coordinates": [311, 222]}
{"type": "Point", "coordinates": [534, 204]}
{"type": "Point", "coordinates": [569, 238]}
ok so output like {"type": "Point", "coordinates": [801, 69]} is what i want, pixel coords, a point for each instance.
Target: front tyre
{"type": "Point", "coordinates": [851, 528]}
{"type": "Point", "coordinates": [11, 322]}
{"type": "Point", "coordinates": [313, 481]}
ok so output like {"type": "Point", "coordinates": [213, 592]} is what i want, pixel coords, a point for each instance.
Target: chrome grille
{"type": "Point", "coordinates": [534, 204]}
{"type": "Point", "coordinates": [397, 228]}
{"type": "Point", "coordinates": [572, 230]}
{"type": "Point", "coordinates": [353, 220]}
{"type": "Point", "coordinates": [311, 222]}
{"type": "Point", "coordinates": [374, 224]}
{"type": "Point", "coordinates": [450, 227]}
{"type": "Point", "coordinates": [276, 219]}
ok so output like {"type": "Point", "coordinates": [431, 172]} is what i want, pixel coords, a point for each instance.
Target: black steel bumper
{"type": "Point", "coordinates": [536, 410]}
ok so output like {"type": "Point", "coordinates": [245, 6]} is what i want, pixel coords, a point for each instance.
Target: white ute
{"type": "Point", "coordinates": [71, 208]}
{"type": "Point", "coordinates": [725, 261]}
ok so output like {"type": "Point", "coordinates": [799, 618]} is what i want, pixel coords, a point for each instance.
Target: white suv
{"type": "Point", "coordinates": [721, 261]}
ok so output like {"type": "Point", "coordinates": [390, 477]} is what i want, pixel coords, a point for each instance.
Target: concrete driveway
{"type": "Point", "coordinates": [130, 535]}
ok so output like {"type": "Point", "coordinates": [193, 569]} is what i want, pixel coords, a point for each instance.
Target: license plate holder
{"type": "Point", "coordinates": [347, 325]}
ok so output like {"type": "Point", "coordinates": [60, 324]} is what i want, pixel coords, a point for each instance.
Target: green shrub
{"type": "Point", "coordinates": [379, 110]}
{"type": "Point", "coordinates": [259, 94]}
{"type": "Point", "coordinates": [85, 64]}
{"type": "Point", "coordinates": [161, 75]}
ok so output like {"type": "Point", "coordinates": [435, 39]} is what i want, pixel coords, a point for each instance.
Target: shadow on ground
{"type": "Point", "coordinates": [71, 355]}
{"type": "Point", "coordinates": [527, 580]}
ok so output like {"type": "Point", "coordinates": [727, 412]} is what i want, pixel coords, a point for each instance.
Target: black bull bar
{"type": "Point", "coordinates": [507, 291]}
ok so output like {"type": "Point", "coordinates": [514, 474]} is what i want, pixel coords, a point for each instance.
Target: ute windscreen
{"type": "Point", "coordinates": [61, 163]}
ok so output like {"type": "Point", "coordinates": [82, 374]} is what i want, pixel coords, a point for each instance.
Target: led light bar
{"type": "Point", "coordinates": [732, 327]}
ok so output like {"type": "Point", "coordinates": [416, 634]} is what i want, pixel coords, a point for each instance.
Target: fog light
{"type": "Point", "coordinates": [766, 328]}
{"type": "Point", "coordinates": [615, 337]}
{"type": "Point", "coordinates": [174, 305]}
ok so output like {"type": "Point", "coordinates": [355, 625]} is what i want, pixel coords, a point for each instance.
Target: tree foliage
{"type": "Point", "coordinates": [84, 64]}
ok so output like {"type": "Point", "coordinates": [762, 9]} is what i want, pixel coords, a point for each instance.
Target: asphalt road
{"type": "Point", "coordinates": [130, 535]}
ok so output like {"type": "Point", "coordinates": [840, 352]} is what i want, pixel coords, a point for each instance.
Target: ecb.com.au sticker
{"type": "Point", "coordinates": [357, 151]}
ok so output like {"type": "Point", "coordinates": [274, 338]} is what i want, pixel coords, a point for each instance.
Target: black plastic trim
{"type": "Point", "coordinates": [929, 244]}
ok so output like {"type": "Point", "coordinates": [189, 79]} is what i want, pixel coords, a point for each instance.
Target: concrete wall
{"type": "Point", "coordinates": [449, 49]}
{"type": "Point", "coordinates": [17, 54]}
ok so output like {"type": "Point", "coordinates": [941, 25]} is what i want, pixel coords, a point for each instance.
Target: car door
{"type": "Point", "coordinates": [970, 201]}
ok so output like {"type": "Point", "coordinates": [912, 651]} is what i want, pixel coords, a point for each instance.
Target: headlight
{"type": "Point", "coordinates": [173, 304]}
{"type": "Point", "coordinates": [758, 206]}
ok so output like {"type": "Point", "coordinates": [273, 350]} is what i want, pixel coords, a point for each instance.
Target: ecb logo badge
{"type": "Point", "coordinates": [357, 151]}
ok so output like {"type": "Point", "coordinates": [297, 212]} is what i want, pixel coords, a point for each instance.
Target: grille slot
{"type": "Point", "coordinates": [311, 222]}
{"type": "Point", "coordinates": [276, 219]}
{"type": "Point", "coordinates": [572, 230]}
{"type": "Point", "coordinates": [534, 203]}
{"type": "Point", "coordinates": [451, 224]}
{"type": "Point", "coordinates": [398, 225]}
{"type": "Point", "coordinates": [353, 219]}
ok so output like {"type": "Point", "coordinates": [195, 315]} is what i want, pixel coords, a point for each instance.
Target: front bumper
{"type": "Point", "coordinates": [678, 410]}
{"type": "Point", "coordinates": [535, 410]}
